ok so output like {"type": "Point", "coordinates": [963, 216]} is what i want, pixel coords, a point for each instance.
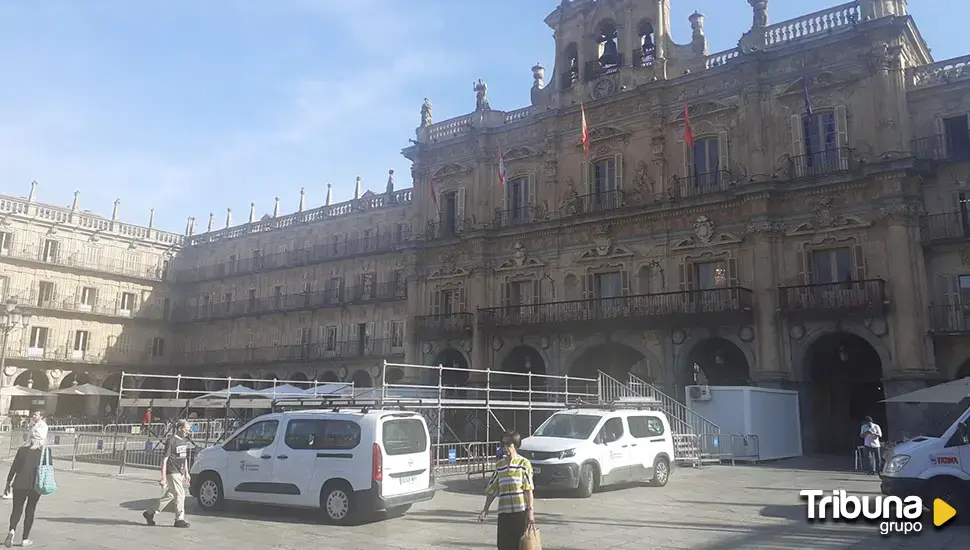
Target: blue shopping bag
{"type": "Point", "coordinates": [45, 474]}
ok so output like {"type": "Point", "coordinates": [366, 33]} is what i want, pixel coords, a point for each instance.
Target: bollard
{"type": "Point", "coordinates": [124, 456]}
{"type": "Point", "coordinates": [77, 443]}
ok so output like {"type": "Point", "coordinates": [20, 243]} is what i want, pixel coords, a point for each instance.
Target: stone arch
{"type": "Point", "coordinates": [328, 377]}
{"type": "Point", "coordinates": [962, 370]}
{"type": "Point", "coordinates": [37, 379]}
{"type": "Point", "coordinates": [362, 379]}
{"type": "Point", "coordinates": [684, 363]}
{"type": "Point", "coordinates": [192, 387]}
{"type": "Point", "coordinates": [299, 379]}
{"type": "Point", "coordinates": [112, 382]}
{"type": "Point", "coordinates": [800, 347]}
{"type": "Point", "coordinates": [74, 378]}
{"type": "Point", "coordinates": [650, 371]}
{"type": "Point", "coordinates": [156, 387]}
{"type": "Point", "coordinates": [842, 383]}
{"type": "Point", "coordinates": [715, 361]}
{"type": "Point", "coordinates": [521, 360]}
{"type": "Point", "coordinates": [456, 359]}
{"type": "Point", "coordinates": [393, 375]}
{"type": "Point", "coordinates": [267, 380]}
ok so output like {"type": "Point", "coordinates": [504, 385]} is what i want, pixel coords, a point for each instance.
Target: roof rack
{"type": "Point", "coordinates": [628, 403]}
{"type": "Point", "coordinates": [337, 403]}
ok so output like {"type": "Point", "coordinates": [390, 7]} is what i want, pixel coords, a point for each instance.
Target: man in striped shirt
{"type": "Point", "coordinates": [512, 485]}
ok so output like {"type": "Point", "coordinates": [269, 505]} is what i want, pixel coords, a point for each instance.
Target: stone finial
{"type": "Point", "coordinates": [252, 212]}
{"type": "Point", "coordinates": [228, 218]}
{"type": "Point", "coordinates": [302, 199]}
{"type": "Point", "coordinates": [114, 211]}
{"type": "Point", "coordinates": [212, 221]}
{"type": "Point", "coordinates": [192, 226]}
{"type": "Point", "coordinates": [697, 23]}
{"type": "Point", "coordinates": [77, 201]}
{"type": "Point", "coordinates": [357, 189]}
{"type": "Point", "coordinates": [33, 192]}
{"type": "Point", "coordinates": [759, 10]}
{"type": "Point", "coordinates": [538, 76]}
{"type": "Point", "coordinates": [151, 219]}
{"type": "Point", "coordinates": [390, 182]}
{"type": "Point", "coordinates": [276, 207]}
{"type": "Point", "coordinates": [188, 225]}
{"type": "Point", "coordinates": [329, 200]}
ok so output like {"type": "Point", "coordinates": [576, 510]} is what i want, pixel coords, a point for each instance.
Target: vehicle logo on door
{"type": "Point", "coordinates": [410, 462]}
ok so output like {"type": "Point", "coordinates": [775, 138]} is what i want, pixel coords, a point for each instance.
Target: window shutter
{"type": "Point", "coordinates": [370, 330]}
{"type": "Point", "coordinates": [618, 161]}
{"type": "Point", "coordinates": [687, 276]}
{"type": "Point", "coordinates": [587, 178]}
{"type": "Point", "coordinates": [536, 292]}
{"type": "Point", "coordinates": [77, 295]}
{"type": "Point", "coordinates": [940, 136]}
{"type": "Point", "coordinates": [506, 290]}
{"type": "Point", "coordinates": [460, 209]}
{"type": "Point", "coordinates": [436, 302]}
{"type": "Point", "coordinates": [386, 331]}
{"type": "Point", "coordinates": [800, 265]}
{"type": "Point", "coordinates": [531, 182]}
{"type": "Point", "coordinates": [809, 266]}
{"type": "Point", "coordinates": [860, 262]}
{"type": "Point", "coordinates": [687, 172]}
{"type": "Point", "coordinates": [723, 161]}
{"type": "Point", "coordinates": [624, 283]}
{"type": "Point", "coordinates": [506, 195]}
{"type": "Point", "coordinates": [734, 278]}
{"type": "Point", "coordinates": [462, 299]}
{"type": "Point", "coordinates": [798, 142]}
{"type": "Point", "coordinates": [70, 343]}
{"type": "Point", "coordinates": [589, 281]}
{"type": "Point", "coordinates": [842, 136]}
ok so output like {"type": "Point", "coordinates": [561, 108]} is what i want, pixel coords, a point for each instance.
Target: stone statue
{"type": "Point", "coordinates": [481, 96]}
{"type": "Point", "coordinates": [426, 113]}
{"type": "Point", "coordinates": [644, 189]}
{"type": "Point", "coordinates": [760, 8]}
{"type": "Point", "coordinates": [570, 199]}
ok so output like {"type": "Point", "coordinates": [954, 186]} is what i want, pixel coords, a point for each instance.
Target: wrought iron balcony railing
{"type": "Point", "coordinates": [945, 226]}
{"type": "Point", "coordinates": [603, 201]}
{"type": "Point", "coordinates": [820, 163]}
{"type": "Point", "coordinates": [867, 297]}
{"type": "Point", "coordinates": [446, 325]}
{"type": "Point", "coordinates": [322, 351]}
{"type": "Point", "coordinates": [79, 260]}
{"type": "Point", "coordinates": [704, 184]}
{"type": "Point", "coordinates": [381, 242]}
{"type": "Point", "coordinates": [942, 148]}
{"type": "Point", "coordinates": [281, 303]}
{"type": "Point", "coordinates": [446, 228]}
{"type": "Point", "coordinates": [709, 305]}
{"type": "Point", "coordinates": [950, 319]}
{"type": "Point", "coordinates": [88, 355]}
{"type": "Point", "coordinates": [516, 216]}
{"type": "Point", "coordinates": [95, 305]}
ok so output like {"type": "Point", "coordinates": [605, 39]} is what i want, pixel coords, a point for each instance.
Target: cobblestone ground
{"type": "Point", "coordinates": [713, 508]}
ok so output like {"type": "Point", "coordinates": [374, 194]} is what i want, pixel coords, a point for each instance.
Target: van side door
{"type": "Point", "coordinates": [649, 438]}
{"type": "Point", "coordinates": [249, 464]}
{"type": "Point", "coordinates": [314, 449]}
{"type": "Point", "coordinates": [613, 451]}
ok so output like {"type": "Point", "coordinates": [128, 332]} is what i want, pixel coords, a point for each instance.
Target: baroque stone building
{"type": "Point", "coordinates": [787, 213]}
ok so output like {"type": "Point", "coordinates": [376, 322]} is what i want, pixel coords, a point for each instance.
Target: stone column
{"type": "Point", "coordinates": [412, 353]}
{"type": "Point", "coordinates": [769, 362]}
{"type": "Point", "coordinates": [910, 340]}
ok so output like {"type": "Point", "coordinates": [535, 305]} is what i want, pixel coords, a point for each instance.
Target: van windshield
{"type": "Point", "coordinates": [404, 436]}
{"type": "Point", "coordinates": [943, 416]}
{"type": "Point", "coordinates": [569, 426]}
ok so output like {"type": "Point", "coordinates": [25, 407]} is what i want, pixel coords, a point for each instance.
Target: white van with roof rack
{"type": "Point", "coordinates": [583, 449]}
{"type": "Point", "coordinates": [348, 458]}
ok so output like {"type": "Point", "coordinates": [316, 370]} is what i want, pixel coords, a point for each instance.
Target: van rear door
{"type": "Point", "coordinates": [407, 454]}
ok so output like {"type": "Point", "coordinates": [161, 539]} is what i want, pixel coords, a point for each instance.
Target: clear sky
{"type": "Point", "coordinates": [193, 106]}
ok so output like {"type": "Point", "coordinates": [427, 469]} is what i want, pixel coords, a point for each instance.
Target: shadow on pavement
{"type": "Point", "coordinates": [94, 521]}
{"type": "Point", "coordinates": [251, 511]}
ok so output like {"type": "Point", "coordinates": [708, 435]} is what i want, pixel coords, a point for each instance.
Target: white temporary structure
{"type": "Point", "coordinates": [21, 391]}
{"type": "Point", "coordinates": [952, 392]}
{"type": "Point", "coordinates": [87, 390]}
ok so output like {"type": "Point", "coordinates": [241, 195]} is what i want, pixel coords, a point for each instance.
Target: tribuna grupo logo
{"type": "Point", "coordinates": [892, 514]}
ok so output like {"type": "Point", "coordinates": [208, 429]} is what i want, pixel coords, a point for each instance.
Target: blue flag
{"type": "Point", "coordinates": [808, 104]}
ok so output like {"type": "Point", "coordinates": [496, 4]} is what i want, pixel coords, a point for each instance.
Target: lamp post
{"type": "Point", "coordinates": [10, 320]}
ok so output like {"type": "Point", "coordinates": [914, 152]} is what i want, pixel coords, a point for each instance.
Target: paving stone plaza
{"type": "Point", "coordinates": [718, 507]}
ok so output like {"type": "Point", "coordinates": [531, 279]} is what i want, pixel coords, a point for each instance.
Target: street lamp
{"type": "Point", "coordinates": [10, 320]}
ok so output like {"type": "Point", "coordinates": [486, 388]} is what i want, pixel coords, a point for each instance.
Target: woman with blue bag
{"type": "Point", "coordinates": [31, 475]}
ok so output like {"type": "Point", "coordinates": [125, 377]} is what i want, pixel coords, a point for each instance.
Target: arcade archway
{"type": "Point", "coordinates": [843, 377]}
{"type": "Point", "coordinates": [716, 362]}
{"type": "Point", "coordinates": [300, 380]}
{"type": "Point", "coordinates": [362, 379]}
{"type": "Point", "coordinates": [76, 405]}
{"type": "Point", "coordinates": [455, 365]}
{"type": "Point", "coordinates": [34, 380]}
{"type": "Point", "coordinates": [328, 377]}
{"type": "Point", "coordinates": [520, 362]}
{"type": "Point", "coordinates": [244, 380]}
{"type": "Point", "coordinates": [614, 359]}
{"type": "Point", "coordinates": [267, 381]}
{"type": "Point", "coordinates": [963, 370]}
{"type": "Point", "coordinates": [522, 388]}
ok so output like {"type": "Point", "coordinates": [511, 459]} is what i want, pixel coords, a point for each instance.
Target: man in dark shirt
{"type": "Point", "coordinates": [175, 475]}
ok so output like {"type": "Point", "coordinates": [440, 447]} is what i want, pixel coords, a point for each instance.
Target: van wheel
{"type": "Point", "coordinates": [661, 472]}
{"type": "Point", "coordinates": [338, 503]}
{"type": "Point", "coordinates": [210, 495]}
{"type": "Point", "coordinates": [398, 511]}
{"type": "Point", "coordinates": [587, 481]}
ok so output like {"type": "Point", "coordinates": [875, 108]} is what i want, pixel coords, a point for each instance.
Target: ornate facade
{"type": "Point", "coordinates": [789, 213]}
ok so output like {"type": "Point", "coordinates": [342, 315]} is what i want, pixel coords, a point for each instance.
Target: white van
{"type": "Point", "coordinates": [351, 463]}
{"type": "Point", "coordinates": [936, 465]}
{"type": "Point", "coordinates": [584, 449]}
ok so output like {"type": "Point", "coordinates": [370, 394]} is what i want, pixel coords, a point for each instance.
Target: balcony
{"type": "Point", "coordinates": [378, 292]}
{"type": "Point", "coordinates": [443, 327]}
{"type": "Point", "coordinates": [944, 227]}
{"type": "Point", "coordinates": [942, 148]}
{"type": "Point", "coordinates": [515, 217]}
{"type": "Point", "coordinates": [950, 320]}
{"type": "Point", "coordinates": [713, 306]}
{"type": "Point", "coordinates": [820, 163]}
{"type": "Point", "coordinates": [383, 242]}
{"type": "Point", "coordinates": [698, 185]}
{"type": "Point", "coordinates": [299, 353]}
{"type": "Point", "coordinates": [89, 356]}
{"type": "Point", "coordinates": [604, 201]}
{"type": "Point", "coordinates": [595, 69]}
{"type": "Point", "coordinates": [446, 229]}
{"type": "Point", "coordinates": [31, 299]}
{"type": "Point", "coordinates": [833, 300]}
{"type": "Point", "coordinates": [136, 270]}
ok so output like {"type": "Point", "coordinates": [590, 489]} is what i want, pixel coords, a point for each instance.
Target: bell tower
{"type": "Point", "coordinates": [600, 44]}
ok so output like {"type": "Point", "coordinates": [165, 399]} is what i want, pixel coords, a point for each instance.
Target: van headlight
{"type": "Point", "coordinates": [568, 453]}
{"type": "Point", "coordinates": [896, 463]}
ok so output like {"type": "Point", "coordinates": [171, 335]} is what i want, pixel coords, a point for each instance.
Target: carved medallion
{"type": "Point", "coordinates": [704, 229]}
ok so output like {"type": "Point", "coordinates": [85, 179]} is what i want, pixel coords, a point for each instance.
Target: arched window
{"type": "Point", "coordinates": [570, 60]}
{"type": "Point", "coordinates": [648, 48]}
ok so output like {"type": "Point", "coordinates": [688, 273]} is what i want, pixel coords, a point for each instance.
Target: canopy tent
{"type": "Point", "coordinates": [86, 390]}
{"type": "Point", "coordinates": [21, 391]}
{"type": "Point", "coordinates": [283, 390]}
{"type": "Point", "coordinates": [947, 393]}
{"type": "Point", "coordinates": [328, 389]}
{"type": "Point", "coordinates": [242, 391]}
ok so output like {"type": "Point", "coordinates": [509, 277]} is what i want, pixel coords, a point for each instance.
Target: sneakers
{"type": "Point", "coordinates": [8, 542]}
{"type": "Point", "coordinates": [149, 518]}
{"type": "Point", "coordinates": [7, 496]}
{"type": "Point", "coordinates": [26, 542]}
{"type": "Point", "coordinates": [181, 524]}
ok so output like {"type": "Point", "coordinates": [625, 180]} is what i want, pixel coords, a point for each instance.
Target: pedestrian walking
{"type": "Point", "coordinates": [175, 475]}
{"type": "Point", "coordinates": [22, 483]}
{"type": "Point", "coordinates": [146, 422]}
{"type": "Point", "coordinates": [871, 432]}
{"type": "Point", "coordinates": [512, 484]}
{"type": "Point", "coordinates": [35, 432]}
